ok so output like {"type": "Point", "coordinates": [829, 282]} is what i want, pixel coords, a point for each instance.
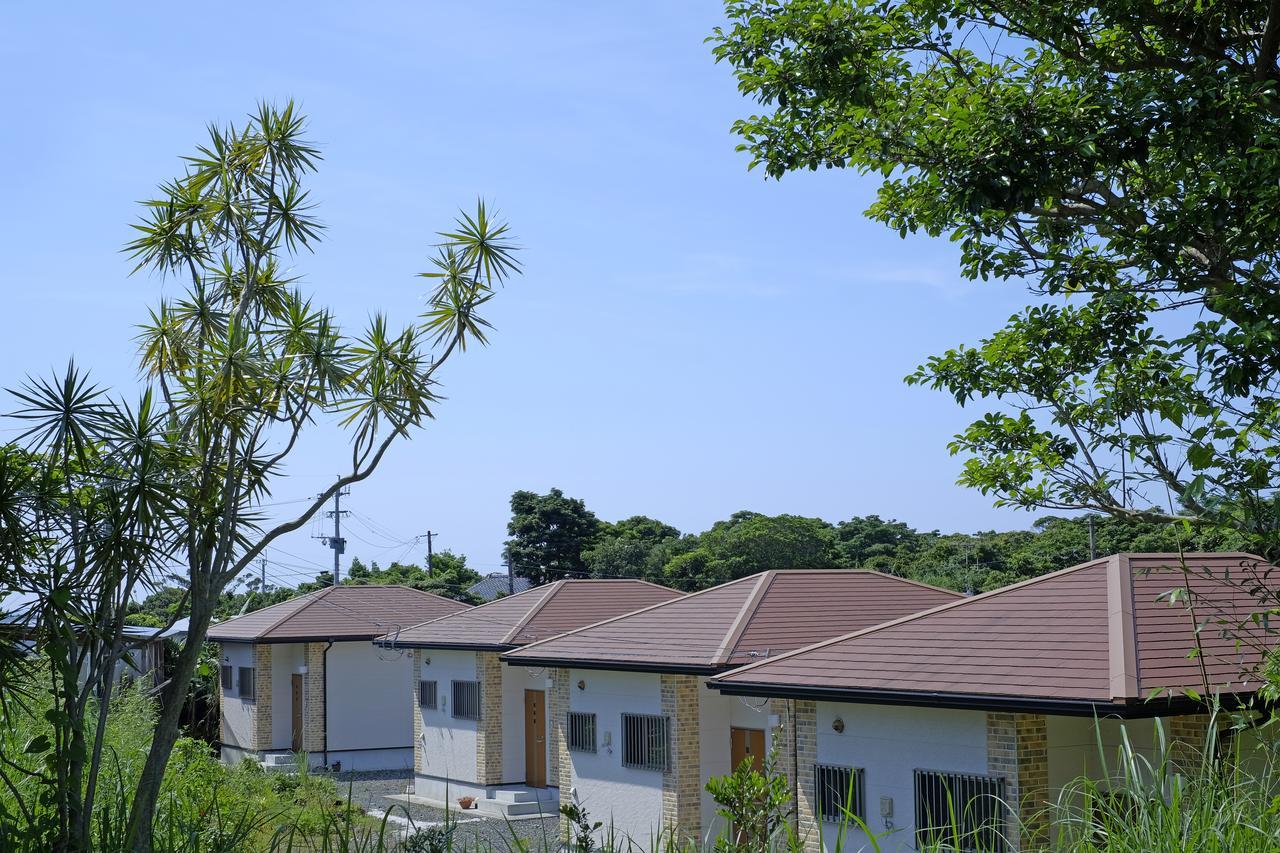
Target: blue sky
{"type": "Point", "coordinates": [689, 339]}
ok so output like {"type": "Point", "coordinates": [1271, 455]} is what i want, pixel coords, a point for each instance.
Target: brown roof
{"type": "Point", "coordinates": [1100, 634]}
{"type": "Point", "coordinates": [352, 612]}
{"type": "Point", "coordinates": [536, 614]}
{"type": "Point", "coordinates": [727, 625]}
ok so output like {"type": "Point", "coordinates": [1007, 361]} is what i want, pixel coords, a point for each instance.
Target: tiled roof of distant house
{"type": "Point", "coordinates": [538, 613]}
{"type": "Point", "coordinates": [496, 585]}
{"type": "Point", "coordinates": [734, 623]}
{"type": "Point", "coordinates": [346, 612]}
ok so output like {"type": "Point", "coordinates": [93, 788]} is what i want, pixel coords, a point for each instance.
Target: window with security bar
{"type": "Point", "coordinates": [841, 793]}
{"type": "Point", "coordinates": [582, 731]}
{"type": "Point", "coordinates": [466, 700]}
{"type": "Point", "coordinates": [427, 694]}
{"type": "Point", "coordinates": [964, 811]}
{"type": "Point", "coordinates": [228, 679]}
{"type": "Point", "coordinates": [246, 682]}
{"type": "Point", "coordinates": [644, 742]}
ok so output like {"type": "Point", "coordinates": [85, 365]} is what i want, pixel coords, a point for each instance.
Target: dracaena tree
{"type": "Point", "coordinates": [1120, 160]}
{"type": "Point", "coordinates": [237, 368]}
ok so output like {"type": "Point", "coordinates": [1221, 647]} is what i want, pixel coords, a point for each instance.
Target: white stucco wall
{"type": "Point", "coordinates": [236, 725]}
{"type": "Point", "coordinates": [627, 799]}
{"type": "Point", "coordinates": [718, 715]}
{"type": "Point", "coordinates": [449, 745]}
{"type": "Point", "coordinates": [515, 681]}
{"type": "Point", "coordinates": [890, 744]}
{"type": "Point", "coordinates": [369, 697]}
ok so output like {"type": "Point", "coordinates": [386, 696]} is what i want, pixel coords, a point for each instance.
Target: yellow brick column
{"type": "Point", "coordinates": [806, 723]}
{"type": "Point", "coordinates": [1018, 751]}
{"type": "Point", "coordinates": [1188, 740]}
{"type": "Point", "coordinates": [313, 722]}
{"type": "Point", "coordinates": [560, 771]}
{"type": "Point", "coordinates": [682, 781]}
{"type": "Point", "coordinates": [415, 675]}
{"type": "Point", "coordinates": [260, 711]}
{"type": "Point", "coordinates": [489, 727]}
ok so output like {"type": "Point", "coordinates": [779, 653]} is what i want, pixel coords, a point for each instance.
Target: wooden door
{"type": "Point", "coordinates": [744, 743]}
{"type": "Point", "coordinates": [535, 738]}
{"type": "Point", "coordinates": [296, 743]}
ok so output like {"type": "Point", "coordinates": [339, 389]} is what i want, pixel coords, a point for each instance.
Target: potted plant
{"type": "Point", "coordinates": [466, 802]}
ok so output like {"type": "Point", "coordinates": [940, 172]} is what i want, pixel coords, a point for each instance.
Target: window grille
{"type": "Point", "coordinates": [228, 682]}
{"type": "Point", "coordinates": [967, 805]}
{"type": "Point", "coordinates": [582, 731]}
{"type": "Point", "coordinates": [644, 742]}
{"type": "Point", "coordinates": [246, 682]}
{"type": "Point", "coordinates": [841, 793]}
{"type": "Point", "coordinates": [466, 700]}
{"type": "Point", "coordinates": [427, 694]}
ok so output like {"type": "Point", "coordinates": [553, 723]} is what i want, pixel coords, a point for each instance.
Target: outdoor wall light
{"type": "Point", "coordinates": [837, 725]}
{"type": "Point", "coordinates": [582, 684]}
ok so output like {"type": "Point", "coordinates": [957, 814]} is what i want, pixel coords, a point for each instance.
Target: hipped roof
{"type": "Point", "coordinates": [536, 614]}
{"type": "Point", "coordinates": [1098, 637]}
{"type": "Point", "coordinates": [349, 612]}
{"type": "Point", "coordinates": [728, 625]}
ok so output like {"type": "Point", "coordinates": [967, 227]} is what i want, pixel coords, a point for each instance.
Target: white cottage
{"type": "Point", "coordinates": [304, 675]}
{"type": "Point", "coordinates": [991, 706]}
{"type": "Point", "coordinates": [637, 731]}
{"type": "Point", "coordinates": [480, 726]}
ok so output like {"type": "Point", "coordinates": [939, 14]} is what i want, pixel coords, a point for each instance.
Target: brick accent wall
{"type": "Point", "coordinates": [682, 782]}
{"type": "Point", "coordinates": [415, 674]}
{"type": "Point", "coordinates": [1188, 736]}
{"type": "Point", "coordinates": [313, 722]}
{"type": "Point", "coordinates": [260, 710]}
{"type": "Point", "coordinates": [489, 727]}
{"type": "Point", "coordinates": [808, 827]}
{"type": "Point", "coordinates": [560, 769]}
{"type": "Point", "coordinates": [1018, 751]}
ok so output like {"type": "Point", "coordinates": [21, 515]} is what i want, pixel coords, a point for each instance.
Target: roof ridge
{"type": "Point", "coordinates": [552, 590]}
{"type": "Point", "coordinates": [724, 653]}
{"type": "Point", "coordinates": [1122, 639]}
{"type": "Point", "coordinates": [683, 597]}
{"type": "Point", "coordinates": [470, 608]}
{"type": "Point", "coordinates": [912, 617]}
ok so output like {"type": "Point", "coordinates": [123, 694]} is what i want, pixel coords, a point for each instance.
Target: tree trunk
{"type": "Point", "coordinates": [142, 813]}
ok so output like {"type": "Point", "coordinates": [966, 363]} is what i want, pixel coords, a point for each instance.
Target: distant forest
{"type": "Point", "coordinates": [553, 536]}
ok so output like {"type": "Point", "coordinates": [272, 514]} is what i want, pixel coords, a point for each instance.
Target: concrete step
{"type": "Point", "coordinates": [275, 762]}
{"type": "Point", "coordinates": [517, 804]}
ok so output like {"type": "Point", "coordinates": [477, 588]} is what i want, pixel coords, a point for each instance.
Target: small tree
{"type": "Point", "coordinates": [239, 367]}
{"type": "Point", "coordinates": [755, 803]}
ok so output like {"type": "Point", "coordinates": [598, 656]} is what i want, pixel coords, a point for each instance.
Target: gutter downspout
{"type": "Point", "coordinates": [324, 698]}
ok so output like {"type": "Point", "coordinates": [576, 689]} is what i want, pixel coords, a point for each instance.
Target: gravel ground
{"type": "Point", "coordinates": [372, 789]}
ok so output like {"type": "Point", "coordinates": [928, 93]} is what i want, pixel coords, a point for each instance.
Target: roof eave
{"type": "Point", "coordinates": [619, 666]}
{"type": "Point", "coordinates": [974, 701]}
{"type": "Point", "coordinates": [306, 638]}
{"type": "Point", "coordinates": [470, 647]}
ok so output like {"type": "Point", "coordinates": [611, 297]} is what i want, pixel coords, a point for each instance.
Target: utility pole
{"type": "Point", "coordinates": [262, 568]}
{"type": "Point", "coordinates": [1093, 542]}
{"type": "Point", "coordinates": [336, 542]}
{"type": "Point", "coordinates": [430, 567]}
{"type": "Point", "coordinates": [511, 578]}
